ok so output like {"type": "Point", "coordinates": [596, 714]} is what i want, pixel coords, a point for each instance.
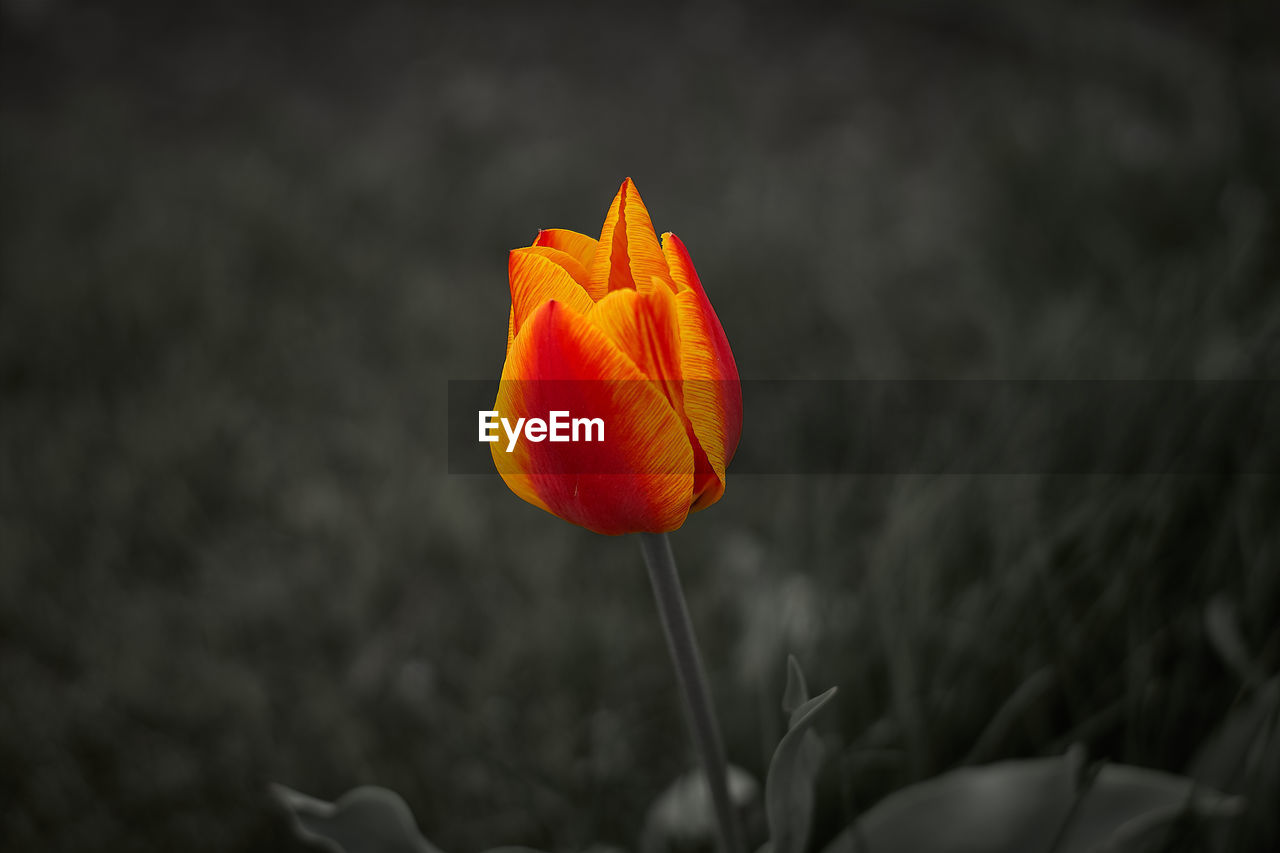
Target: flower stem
{"type": "Point", "coordinates": [693, 680]}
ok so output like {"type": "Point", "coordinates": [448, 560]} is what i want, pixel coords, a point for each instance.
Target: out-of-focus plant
{"type": "Point", "coordinates": [1061, 804]}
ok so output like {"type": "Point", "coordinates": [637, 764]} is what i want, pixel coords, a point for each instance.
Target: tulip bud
{"type": "Point", "coordinates": [617, 330]}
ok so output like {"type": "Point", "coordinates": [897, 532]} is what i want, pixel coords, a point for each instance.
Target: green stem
{"type": "Point", "coordinates": [693, 680]}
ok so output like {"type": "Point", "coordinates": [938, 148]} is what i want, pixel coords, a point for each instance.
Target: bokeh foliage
{"type": "Point", "coordinates": [243, 250]}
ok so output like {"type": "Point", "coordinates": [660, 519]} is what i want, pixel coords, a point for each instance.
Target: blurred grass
{"type": "Point", "coordinates": [243, 250]}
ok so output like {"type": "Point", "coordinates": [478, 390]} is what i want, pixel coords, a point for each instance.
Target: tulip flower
{"type": "Point", "coordinates": [618, 330]}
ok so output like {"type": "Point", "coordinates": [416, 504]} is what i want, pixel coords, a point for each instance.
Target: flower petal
{"type": "Point", "coordinates": [536, 280]}
{"type": "Point", "coordinates": [640, 477]}
{"type": "Point", "coordinates": [628, 254]}
{"type": "Point", "coordinates": [712, 391]}
{"type": "Point", "coordinates": [645, 325]}
{"type": "Point", "coordinates": [563, 259]}
{"type": "Point", "coordinates": [580, 246]}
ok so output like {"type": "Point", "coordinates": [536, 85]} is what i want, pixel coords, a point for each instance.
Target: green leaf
{"type": "Point", "coordinates": [367, 819]}
{"type": "Point", "coordinates": [1031, 805]}
{"type": "Point", "coordinates": [789, 786]}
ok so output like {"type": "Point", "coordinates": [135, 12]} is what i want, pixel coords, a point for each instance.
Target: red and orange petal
{"type": "Point", "coordinates": [646, 327]}
{"type": "Point", "coordinates": [535, 280]}
{"type": "Point", "coordinates": [685, 277]}
{"type": "Point", "coordinates": [712, 405]}
{"type": "Point", "coordinates": [628, 254]}
{"type": "Point", "coordinates": [712, 391]}
{"type": "Point", "coordinates": [640, 478]}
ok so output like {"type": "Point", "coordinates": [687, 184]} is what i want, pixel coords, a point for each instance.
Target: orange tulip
{"type": "Point", "coordinates": [625, 320]}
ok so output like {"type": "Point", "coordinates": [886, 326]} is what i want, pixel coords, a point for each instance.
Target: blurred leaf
{"type": "Point", "coordinates": [683, 817]}
{"type": "Point", "coordinates": [796, 692]}
{"type": "Point", "coordinates": [1244, 750]}
{"type": "Point", "coordinates": [1222, 625]}
{"type": "Point", "coordinates": [367, 819]}
{"type": "Point", "coordinates": [1033, 805]}
{"type": "Point", "coordinates": [1185, 832]}
{"type": "Point", "coordinates": [1128, 805]}
{"type": "Point", "coordinates": [1031, 690]}
{"type": "Point", "coordinates": [789, 786]}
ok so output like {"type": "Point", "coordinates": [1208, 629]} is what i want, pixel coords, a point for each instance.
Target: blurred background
{"type": "Point", "coordinates": [245, 246]}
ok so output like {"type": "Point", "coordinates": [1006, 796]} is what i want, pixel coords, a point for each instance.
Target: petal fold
{"type": "Point", "coordinates": [537, 279]}
{"type": "Point", "coordinates": [580, 246]}
{"type": "Point", "coordinates": [563, 259]}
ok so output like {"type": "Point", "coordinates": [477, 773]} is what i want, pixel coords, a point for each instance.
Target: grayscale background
{"type": "Point", "coordinates": [244, 247]}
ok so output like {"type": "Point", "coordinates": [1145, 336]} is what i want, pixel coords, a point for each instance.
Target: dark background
{"type": "Point", "coordinates": [245, 247]}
